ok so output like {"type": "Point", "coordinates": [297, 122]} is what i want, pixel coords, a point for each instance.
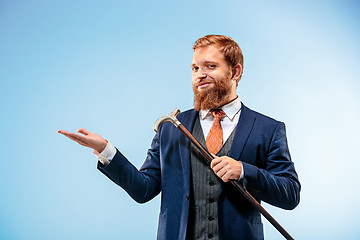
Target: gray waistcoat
{"type": "Point", "coordinates": [205, 187]}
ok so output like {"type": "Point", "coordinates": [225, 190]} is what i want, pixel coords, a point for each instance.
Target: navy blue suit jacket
{"type": "Point", "coordinates": [269, 175]}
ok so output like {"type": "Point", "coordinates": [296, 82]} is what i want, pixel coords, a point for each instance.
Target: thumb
{"type": "Point", "coordinates": [83, 131]}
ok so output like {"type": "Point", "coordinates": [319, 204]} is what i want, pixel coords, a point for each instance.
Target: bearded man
{"type": "Point", "coordinates": [198, 202]}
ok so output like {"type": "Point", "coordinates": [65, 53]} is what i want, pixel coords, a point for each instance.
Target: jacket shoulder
{"type": "Point", "coordinates": [259, 116]}
{"type": "Point", "coordinates": [187, 118]}
{"type": "Point", "coordinates": [187, 115]}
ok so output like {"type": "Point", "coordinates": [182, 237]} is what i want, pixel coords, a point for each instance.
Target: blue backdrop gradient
{"type": "Point", "coordinates": [114, 67]}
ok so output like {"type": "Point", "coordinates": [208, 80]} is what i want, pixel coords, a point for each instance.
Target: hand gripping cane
{"type": "Point", "coordinates": [172, 118]}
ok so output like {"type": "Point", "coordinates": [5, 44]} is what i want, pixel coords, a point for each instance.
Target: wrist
{"type": "Point", "coordinates": [101, 146]}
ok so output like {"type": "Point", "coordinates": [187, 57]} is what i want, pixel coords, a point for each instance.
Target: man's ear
{"type": "Point", "coordinates": [236, 72]}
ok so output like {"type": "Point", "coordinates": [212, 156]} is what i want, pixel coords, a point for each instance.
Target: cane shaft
{"type": "Point", "coordinates": [200, 147]}
{"type": "Point", "coordinates": [236, 184]}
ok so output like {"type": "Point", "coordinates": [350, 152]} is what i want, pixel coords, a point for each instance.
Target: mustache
{"type": "Point", "coordinates": [203, 81]}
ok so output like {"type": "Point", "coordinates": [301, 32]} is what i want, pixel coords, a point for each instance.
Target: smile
{"type": "Point", "coordinates": [203, 85]}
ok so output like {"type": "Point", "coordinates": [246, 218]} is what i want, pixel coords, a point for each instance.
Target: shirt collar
{"type": "Point", "coordinates": [230, 109]}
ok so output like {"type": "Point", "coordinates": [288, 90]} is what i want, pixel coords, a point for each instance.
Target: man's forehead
{"type": "Point", "coordinates": [210, 53]}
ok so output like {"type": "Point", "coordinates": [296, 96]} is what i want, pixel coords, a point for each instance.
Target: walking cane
{"type": "Point", "coordinates": [172, 118]}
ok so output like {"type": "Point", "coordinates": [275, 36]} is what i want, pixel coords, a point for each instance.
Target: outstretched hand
{"type": "Point", "coordinates": [88, 139]}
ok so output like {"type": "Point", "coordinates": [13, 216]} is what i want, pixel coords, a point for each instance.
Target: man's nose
{"type": "Point", "coordinates": [201, 74]}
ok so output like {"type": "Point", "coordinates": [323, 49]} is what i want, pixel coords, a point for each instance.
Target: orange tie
{"type": "Point", "coordinates": [214, 140]}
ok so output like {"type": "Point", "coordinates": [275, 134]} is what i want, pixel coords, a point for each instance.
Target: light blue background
{"type": "Point", "coordinates": [114, 67]}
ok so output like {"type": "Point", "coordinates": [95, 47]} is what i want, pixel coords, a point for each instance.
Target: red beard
{"type": "Point", "coordinates": [213, 97]}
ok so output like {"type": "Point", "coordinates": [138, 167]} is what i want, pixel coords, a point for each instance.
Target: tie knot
{"type": "Point", "coordinates": [218, 113]}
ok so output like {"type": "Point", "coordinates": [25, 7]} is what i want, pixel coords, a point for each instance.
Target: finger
{"type": "Point", "coordinates": [62, 131]}
{"type": "Point", "coordinates": [76, 139]}
{"type": "Point", "coordinates": [226, 174]}
{"type": "Point", "coordinates": [219, 163]}
{"type": "Point", "coordinates": [220, 169]}
{"type": "Point", "coordinates": [73, 135]}
{"type": "Point", "coordinates": [230, 175]}
{"type": "Point", "coordinates": [215, 161]}
{"type": "Point", "coordinates": [83, 131]}
{"type": "Point", "coordinates": [67, 134]}
{"type": "Point", "coordinates": [216, 168]}
{"type": "Point", "coordinates": [225, 178]}
{"type": "Point", "coordinates": [78, 136]}
{"type": "Point", "coordinates": [223, 175]}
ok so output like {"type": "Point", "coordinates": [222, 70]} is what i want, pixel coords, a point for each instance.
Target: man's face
{"type": "Point", "coordinates": [211, 78]}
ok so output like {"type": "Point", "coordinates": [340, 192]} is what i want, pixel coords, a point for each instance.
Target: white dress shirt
{"type": "Point", "coordinates": [228, 123]}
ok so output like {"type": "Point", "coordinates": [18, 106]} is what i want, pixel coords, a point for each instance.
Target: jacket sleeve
{"type": "Point", "coordinates": [142, 185]}
{"type": "Point", "coordinates": [277, 183]}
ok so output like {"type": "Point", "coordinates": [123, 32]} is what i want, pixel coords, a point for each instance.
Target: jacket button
{"type": "Point", "coordinates": [187, 197]}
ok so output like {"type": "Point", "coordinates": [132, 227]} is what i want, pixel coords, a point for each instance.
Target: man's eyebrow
{"type": "Point", "coordinates": [207, 62]}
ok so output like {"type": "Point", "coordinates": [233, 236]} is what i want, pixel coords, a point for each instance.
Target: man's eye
{"type": "Point", "coordinates": [211, 66]}
{"type": "Point", "coordinates": [195, 69]}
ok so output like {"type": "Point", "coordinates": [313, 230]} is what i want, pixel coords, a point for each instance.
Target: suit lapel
{"type": "Point", "coordinates": [242, 133]}
{"type": "Point", "coordinates": [188, 121]}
